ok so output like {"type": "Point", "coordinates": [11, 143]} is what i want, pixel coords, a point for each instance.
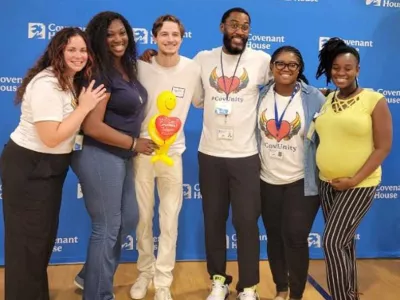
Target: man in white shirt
{"type": "Point", "coordinates": [172, 72]}
{"type": "Point", "coordinates": [229, 163]}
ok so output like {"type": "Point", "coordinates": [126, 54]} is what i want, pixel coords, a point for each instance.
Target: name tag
{"type": "Point", "coordinates": [225, 133]}
{"type": "Point", "coordinates": [223, 108]}
{"type": "Point", "coordinates": [78, 143]}
{"type": "Point", "coordinates": [178, 92]}
{"type": "Point", "coordinates": [277, 154]}
{"type": "Point", "coordinates": [311, 131]}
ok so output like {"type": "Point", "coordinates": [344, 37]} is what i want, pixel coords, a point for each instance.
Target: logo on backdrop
{"type": "Point", "coordinates": [61, 242]}
{"type": "Point", "coordinates": [79, 191]}
{"type": "Point", "coordinates": [353, 43]}
{"type": "Point", "coordinates": [264, 42]}
{"type": "Point", "coordinates": [373, 2]}
{"type": "Point", "coordinates": [36, 31]}
{"type": "Point", "coordinates": [389, 192]}
{"type": "Point", "coordinates": [383, 3]}
{"type": "Point", "coordinates": [42, 31]}
{"type": "Point", "coordinates": [9, 84]}
{"type": "Point", "coordinates": [144, 36]}
{"type": "Point", "coordinates": [191, 192]}
{"type": "Point", "coordinates": [314, 240]}
{"type": "Point", "coordinates": [231, 240]}
{"type": "Point", "coordinates": [128, 245]}
{"type": "Point", "coordinates": [392, 96]}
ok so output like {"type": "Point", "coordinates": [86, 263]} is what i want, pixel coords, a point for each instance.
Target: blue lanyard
{"type": "Point", "coordinates": [278, 121]}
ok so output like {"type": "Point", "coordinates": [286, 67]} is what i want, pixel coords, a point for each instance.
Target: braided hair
{"type": "Point", "coordinates": [330, 50]}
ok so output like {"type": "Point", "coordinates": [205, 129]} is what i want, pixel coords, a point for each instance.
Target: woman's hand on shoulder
{"type": "Point", "coordinates": [90, 97]}
{"type": "Point", "coordinates": [147, 55]}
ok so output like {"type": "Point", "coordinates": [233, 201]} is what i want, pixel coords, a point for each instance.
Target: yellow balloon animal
{"type": "Point", "coordinates": [162, 128]}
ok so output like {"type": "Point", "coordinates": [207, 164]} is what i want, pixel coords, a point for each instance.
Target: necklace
{"type": "Point", "coordinates": [352, 92]}
{"type": "Point", "coordinates": [339, 105]}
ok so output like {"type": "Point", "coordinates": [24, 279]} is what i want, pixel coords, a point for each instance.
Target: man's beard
{"type": "Point", "coordinates": [228, 44]}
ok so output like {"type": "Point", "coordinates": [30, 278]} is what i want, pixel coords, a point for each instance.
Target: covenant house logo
{"type": "Point", "coordinates": [353, 43]}
{"type": "Point", "coordinates": [383, 3]}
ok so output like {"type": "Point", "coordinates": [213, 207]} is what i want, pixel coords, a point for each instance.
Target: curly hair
{"type": "Point", "coordinates": [97, 32]}
{"type": "Point", "coordinates": [54, 57]}
{"type": "Point", "coordinates": [297, 53]}
{"type": "Point", "coordinates": [330, 50]}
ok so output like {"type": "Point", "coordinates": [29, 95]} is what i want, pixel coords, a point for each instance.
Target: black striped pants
{"type": "Point", "coordinates": [343, 212]}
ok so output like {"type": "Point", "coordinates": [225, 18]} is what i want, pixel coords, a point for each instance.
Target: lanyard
{"type": "Point", "coordinates": [278, 121]}
{"type": "Point", "coordinates": [233, 76]}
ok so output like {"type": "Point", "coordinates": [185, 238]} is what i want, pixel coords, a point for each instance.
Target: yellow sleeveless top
{"type": "Point", "coordinates": [346, 137]}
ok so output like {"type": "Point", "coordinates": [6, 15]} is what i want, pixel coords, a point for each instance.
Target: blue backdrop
{"type": "Point", "coordinates": [371, 26]}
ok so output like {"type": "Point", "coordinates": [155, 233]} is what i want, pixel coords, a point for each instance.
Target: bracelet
{"type": "Point", "coordinates": [133, 145]}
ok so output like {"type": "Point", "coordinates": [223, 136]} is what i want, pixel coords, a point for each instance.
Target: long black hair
{"type": "Point", "coordinates": [330, 50]}
{"type": "Point", "coordinates": [296, 52]}
{"type": "Point", "coordinates": [97, 32]}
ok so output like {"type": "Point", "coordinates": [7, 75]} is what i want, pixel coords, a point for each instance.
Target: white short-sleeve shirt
{"type": "Point", "coordinates": [44, 100]}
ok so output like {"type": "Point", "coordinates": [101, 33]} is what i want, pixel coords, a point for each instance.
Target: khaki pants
{"type": "Point", "coordinates": [169, 186]}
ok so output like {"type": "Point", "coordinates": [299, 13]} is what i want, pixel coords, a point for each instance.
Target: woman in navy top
{"type": "Point", "coordinates": [110, 140]}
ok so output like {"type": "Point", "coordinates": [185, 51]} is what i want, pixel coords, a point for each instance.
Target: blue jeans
{"type": "Point", "coordinates": [108, 191]}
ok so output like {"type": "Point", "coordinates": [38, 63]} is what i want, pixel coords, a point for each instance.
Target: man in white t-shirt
{"type": "Point", "coordinates": [172, 72]}
{"type": "Point", "coordinates": [228, 156]}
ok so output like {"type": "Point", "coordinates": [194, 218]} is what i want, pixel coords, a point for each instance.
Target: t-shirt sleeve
{"type": "Point", "coordinates": [267, 70]}
{"type": "Point", "coordinates": [198, 97]}
{"type": "Point", "coordinates": [46, 101]}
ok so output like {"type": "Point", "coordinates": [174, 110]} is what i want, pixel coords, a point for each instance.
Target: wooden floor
{"type": "Point", "coordinates": [378, 279]}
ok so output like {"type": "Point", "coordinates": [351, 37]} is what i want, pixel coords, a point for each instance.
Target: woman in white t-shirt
{"type": "Point", "coordinates": [35, 161]}
{"type": "Point", "coordinates": [289, 189]}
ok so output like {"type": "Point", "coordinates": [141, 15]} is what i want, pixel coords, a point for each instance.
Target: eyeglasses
{"type": "Point", "coordinates": [280, 65]}
{"type": "Point", "coordinates": [236, 26]}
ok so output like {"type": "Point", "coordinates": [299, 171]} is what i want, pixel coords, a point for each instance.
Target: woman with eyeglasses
{"type": "Point", "coordinates": [289, 191]}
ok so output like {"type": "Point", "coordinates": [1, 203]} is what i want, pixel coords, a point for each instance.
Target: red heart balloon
{"type": "Point", "coordinates": [167, 126]}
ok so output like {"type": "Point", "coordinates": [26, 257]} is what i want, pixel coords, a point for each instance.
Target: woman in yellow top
{"type": "Point", "coordinates": [355, 132]}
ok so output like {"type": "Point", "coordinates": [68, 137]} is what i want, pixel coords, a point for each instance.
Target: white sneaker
{"type": "Point", "coordinates": [163, 294]}
{"type": "Point", "coordinates": [248, 294]}
{"type": "Point", "coordinates": [139, 288]}
{"type": "Point", "coordinates": [219, 290]}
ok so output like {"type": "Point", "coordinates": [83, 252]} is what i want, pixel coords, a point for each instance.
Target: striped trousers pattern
{"type": "Point", "coordinates": [343, 212]}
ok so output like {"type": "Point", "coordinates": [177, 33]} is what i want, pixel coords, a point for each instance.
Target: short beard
{"type": "Point", "coordinates": [228, 45]}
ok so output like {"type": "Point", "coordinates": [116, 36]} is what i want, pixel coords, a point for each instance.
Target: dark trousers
{"type": "Point", "coordinates": [343, 212]}
{"type": "Point", "coordinates": [32, 190]}
{"type": "Point", "coordinates": [288, 217]}
{"type": "Point", "coordinates": [225, 182]}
